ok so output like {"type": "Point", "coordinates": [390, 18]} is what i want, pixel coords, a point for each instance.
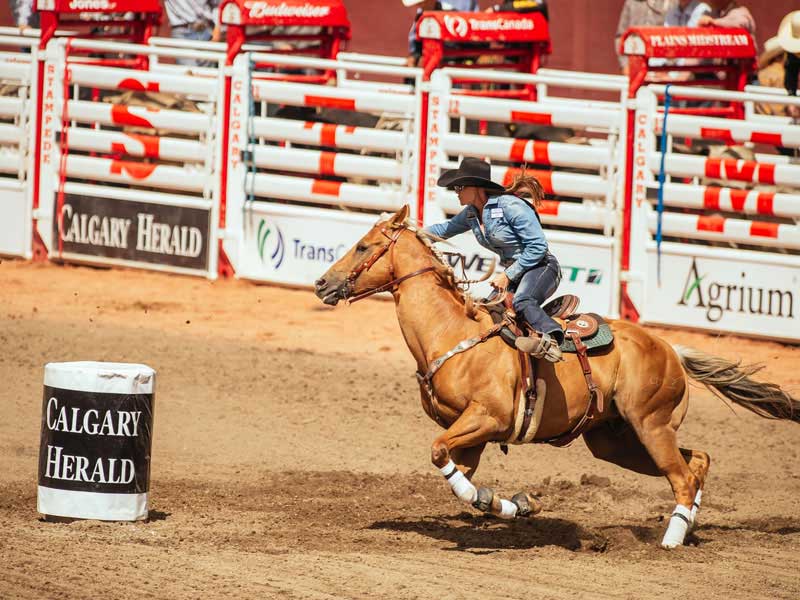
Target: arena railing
{"type": "Point", "coordinates": [723, 251]}
{"type": "Point", "coordinates": [311, 165]}
{"type": "Point", "coordinates": [572, 146]}
{"type": "Point", "coordinates": [18, 61]}
{"type": "Point", "coordinates": [129, 160]}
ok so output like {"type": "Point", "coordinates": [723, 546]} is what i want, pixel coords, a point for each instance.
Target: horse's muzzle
{"type": "Point", "coordinates": [328, 293]}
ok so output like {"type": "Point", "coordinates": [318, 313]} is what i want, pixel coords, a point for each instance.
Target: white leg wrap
{"type": "Point", "coordinates": [696, 505]}
{"type": "Point", "coordinates": [462, 487]}
{"type": "Point", "coordinates": [678, 526]}
{"type": "Point", "coordinates": [508, 510]}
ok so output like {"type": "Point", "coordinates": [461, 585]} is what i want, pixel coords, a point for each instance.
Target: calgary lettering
{"type": "Point", "coordinates": [719, 298]}
{"type": "Point", "coordinates": [162, 238]}
{"type": "Point", "coordinates": [262, 10]}
{"type": "Point", "coordinates": [93, 229]}
{"type": "Point", "coordinates": [71, 467]}
{"type": "Point", "coordinates": [92, 422]}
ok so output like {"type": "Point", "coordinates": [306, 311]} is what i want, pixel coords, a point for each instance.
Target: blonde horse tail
{"type": "Point", "coordinates": [731, 380]}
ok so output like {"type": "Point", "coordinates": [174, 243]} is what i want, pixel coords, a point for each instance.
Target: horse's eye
{"type": "Point", "coordinates": [361, 248]}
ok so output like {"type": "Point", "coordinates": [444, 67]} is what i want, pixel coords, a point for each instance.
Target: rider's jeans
{"type": "Point", "coordinates": [536, 286]}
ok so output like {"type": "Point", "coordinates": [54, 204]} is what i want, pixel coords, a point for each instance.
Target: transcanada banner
{"type": "Point", "coordinates": [142, 232]}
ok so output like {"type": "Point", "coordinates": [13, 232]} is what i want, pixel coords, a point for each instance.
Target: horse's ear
{"type": "Point", "coordinates": [400, 216]}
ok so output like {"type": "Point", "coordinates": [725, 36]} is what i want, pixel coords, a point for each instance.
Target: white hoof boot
{"type": "Point", "coordinates": [695, 508]}
{"type": "Point", "coordinates": [678, 526]}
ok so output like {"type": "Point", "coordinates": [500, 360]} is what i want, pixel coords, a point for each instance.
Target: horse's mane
{"type": "Point", "coordinates": [444, 272]}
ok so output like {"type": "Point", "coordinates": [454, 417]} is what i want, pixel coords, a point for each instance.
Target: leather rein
{"type": "Point", "coordinates": [367, 264]}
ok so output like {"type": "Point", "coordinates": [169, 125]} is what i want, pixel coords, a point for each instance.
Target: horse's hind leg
{"type": "Point", "coordinates": [618, 443]}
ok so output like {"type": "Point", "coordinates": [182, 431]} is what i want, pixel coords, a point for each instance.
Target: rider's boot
{"type": "Point", "coordinates": [540, 345]}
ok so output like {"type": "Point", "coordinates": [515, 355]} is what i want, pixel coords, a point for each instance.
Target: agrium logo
{"type": "Point", "coordinates": [457, 26]}
{"type": "Point", "coordinates": [270, 244]}
{"type": "Point", "coordinates": [720, 297]}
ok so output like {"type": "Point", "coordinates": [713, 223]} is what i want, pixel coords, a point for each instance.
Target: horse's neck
{"type": "Point", "coordinates": [429, 314]}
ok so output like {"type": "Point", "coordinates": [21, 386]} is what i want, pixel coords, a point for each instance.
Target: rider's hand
{"type": "Point", "coordinates": [500, 282]}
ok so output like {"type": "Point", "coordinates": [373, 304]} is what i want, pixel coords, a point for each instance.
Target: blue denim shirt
{"type": "Point", "coordinates": [511, 230]}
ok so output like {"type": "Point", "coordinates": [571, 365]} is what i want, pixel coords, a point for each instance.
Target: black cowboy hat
{"type": "Point", "coordinates": [471, 171]}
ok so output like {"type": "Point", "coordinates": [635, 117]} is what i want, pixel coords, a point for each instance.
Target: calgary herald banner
{"type": "Point", "coordinates": [134, 231]}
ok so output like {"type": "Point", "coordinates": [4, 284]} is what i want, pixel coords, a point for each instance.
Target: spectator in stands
{"type": "Point", "coordinates": [789, 40]}
{"type": "Point", "coordinates": [415, 45]}
{"type": "Point", "coordinates": [686, 14]}
{"type": "Point", "coordinates": [193, 20]}
{"type": "Point", "coordinates": [639, 13]}
{"type": "Point", "coordinates": [24, 15]}
{"type": "Point", "coordinates": [728, 13]}
{"type": "Point", "coordinates": [772, 74]}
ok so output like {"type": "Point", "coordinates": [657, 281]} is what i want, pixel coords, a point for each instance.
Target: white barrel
{"type": "Point", "coordinates": [97, 427]}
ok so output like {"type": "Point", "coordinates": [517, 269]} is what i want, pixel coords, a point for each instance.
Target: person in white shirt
{"type": "Point", "coordinates": [686, 14]}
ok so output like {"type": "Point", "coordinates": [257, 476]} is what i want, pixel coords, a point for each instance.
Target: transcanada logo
{"type": "Point", "coordinates": [718, 298]}
{"type": "Point", "coordinates": [270, 244]}
{"type": "Point", "coordinates": [502, 25]}
{"type": "Point", "coordinates": [262, 10]}
{"type": "Point", "coordinates": [91, 5]}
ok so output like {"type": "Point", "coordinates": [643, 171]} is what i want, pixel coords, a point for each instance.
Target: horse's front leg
{"type": "Point", "coordinates": [463, 442]}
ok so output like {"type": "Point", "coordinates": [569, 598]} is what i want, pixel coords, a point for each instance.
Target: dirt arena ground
{"type": "Point", "coordinates": [291, 460]}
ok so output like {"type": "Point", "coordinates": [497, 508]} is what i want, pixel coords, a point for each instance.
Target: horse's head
{"type": "Point", "coordinates": [366, 266]}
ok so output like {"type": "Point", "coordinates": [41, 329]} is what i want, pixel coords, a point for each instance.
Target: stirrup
{"type": "Point", "coordinates": [544, 346]}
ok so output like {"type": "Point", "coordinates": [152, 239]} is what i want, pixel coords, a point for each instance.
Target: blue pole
{"type": "Point", "coordinates": [661, 178]}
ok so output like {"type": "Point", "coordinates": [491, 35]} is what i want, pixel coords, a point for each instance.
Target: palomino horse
{"type": "Point", "coordinates": [476, 394]}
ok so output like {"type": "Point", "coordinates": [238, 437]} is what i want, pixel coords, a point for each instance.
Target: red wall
{"type": "Point", "coordinates": [582, 30]}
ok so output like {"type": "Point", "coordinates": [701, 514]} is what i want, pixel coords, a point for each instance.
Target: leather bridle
{"type": "Point", "coordinates": [367, 264]}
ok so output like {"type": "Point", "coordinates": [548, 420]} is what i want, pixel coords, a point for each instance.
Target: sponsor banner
{"type": "Point", "coordinates": [463, 26]}
{"type": "Point", "coordinates": [688, 42]}
{"type": "Point", "coordinates": [586, 269]}
{"type": "Point", "coordinates": [740, 294]}
{"type": "Point", "coordinates": [95, 442]}
{"type": "Point", "coordinates": [296, 248]}
{"type": "Point", "coordinates": [141, 232]}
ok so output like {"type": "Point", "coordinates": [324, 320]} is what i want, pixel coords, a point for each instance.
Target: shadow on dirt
{"type": "Point", "coordinates": [470, 533]}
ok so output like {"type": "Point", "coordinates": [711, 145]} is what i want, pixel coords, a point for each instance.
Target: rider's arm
{"type": "Point", "coordinates": [451, 227]}
{"type": "Point", "coordinates": [526, 227]}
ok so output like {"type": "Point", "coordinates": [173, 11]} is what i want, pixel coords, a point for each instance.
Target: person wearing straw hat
{"type": "Point", "coordinates": [788, 39]}
{"type": "Point", "coordinates": [414, 45]}
{"type": "Point", "coordinates": [508, 225]}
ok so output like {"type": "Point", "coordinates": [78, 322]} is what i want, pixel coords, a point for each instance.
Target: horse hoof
{"type": "Point", "coordinates": [527, 505]}
{"type": "Point", "coordinates": [483, 501]}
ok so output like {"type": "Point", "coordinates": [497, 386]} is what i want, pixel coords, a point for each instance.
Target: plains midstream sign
{"type": "Point", "coordinates": [139, 232]}
{"type": "Point", "coordinates": [753, 293]}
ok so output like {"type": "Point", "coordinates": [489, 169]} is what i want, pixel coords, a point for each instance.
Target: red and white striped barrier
{"type": "Point", "coordinates": [730, 131]}
{"type": "Point", "coordinates": [729, 257]}
{"type": "Point", "coordinates": [712, 198]}
{"type": "Point", "coordinates": [111, 195]}
{"type": "Point", "coordinates": [331, 178]}
{"type": "Point", "coordinates": [729, 169]}
{"type": "Point", "coordinates": [589, 236]}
